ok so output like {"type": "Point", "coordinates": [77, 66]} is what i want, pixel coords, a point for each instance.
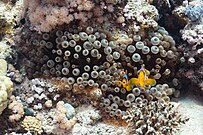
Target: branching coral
{"type": "Point", "coordinates": [145, 120]}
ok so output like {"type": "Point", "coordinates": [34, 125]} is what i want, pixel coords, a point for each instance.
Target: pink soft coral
{"type": "Point", "coordinates": [47, 14]}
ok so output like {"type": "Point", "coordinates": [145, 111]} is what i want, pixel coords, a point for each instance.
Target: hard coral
{"type": "Point", "coordinates": [142, 12]}
{"type": "Point", "coordinates": [145, 120]}
{"type": "Point", "coordinates": [5, 50]}
{"type": "Point", "coordinates": [38, 93]}
{"type": "Point", "coordinates": [193, 34]}
{"type": "Point", "coordinates": [17, 110]}
{"type": "Point", "coordinates": [194, 12]}
{"type": "Point", "coordinates": [87, 115]}
{"type": "Point", "coordinates": [32, 124]}
{"type": "Point", "coordinates": [62, 114]}
{"type": "Point", "coordinates": [6, 88]}
{"type": "Point", "coordinates": [3, 67]}
{"type": "Point", "coordinates": [88, 118]}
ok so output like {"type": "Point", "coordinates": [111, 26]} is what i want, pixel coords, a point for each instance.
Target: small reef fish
{"type": "Point", "coordinates": [142, 81]}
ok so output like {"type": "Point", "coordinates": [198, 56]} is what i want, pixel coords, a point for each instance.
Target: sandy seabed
{"type": "Point", "coordinates": [191, 106]}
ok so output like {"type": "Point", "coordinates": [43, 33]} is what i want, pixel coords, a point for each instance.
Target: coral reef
{"type": "Point", "coordinates": [89, 62]}
{"type": "Point", "coordinates": [166, 6]}
{"type": "Point", "coordinates": [192, 33]}
{"type": "Point", "coordinates": [92, 63]}
{"type": "Point", "coordinates": [114, 105]}
{"type": "Point", "coordinates": [192, 12]}
{"type": "Point", "coordinates": [98, 66]}
{"type": "Point", "coordinates": [5, 27]}
{"type": "Point", "coordinates": [36, 93]}
{"type": "Point", "coordinates": [98, 53]}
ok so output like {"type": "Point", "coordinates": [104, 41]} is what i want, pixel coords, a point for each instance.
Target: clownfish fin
{"type": "Point", "coordinates": [128, 87]}
{"type": "Point", "coordinates": [150, 81]}
{"type": "Point", "coordinates": [134, 81]}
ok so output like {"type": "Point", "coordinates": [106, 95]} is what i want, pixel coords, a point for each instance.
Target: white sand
{"type": "Point", "coordinates": [192, 107]}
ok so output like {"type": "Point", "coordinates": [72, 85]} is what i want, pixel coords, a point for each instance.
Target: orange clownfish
{"type": "Point", "coordinates": [142, 81]}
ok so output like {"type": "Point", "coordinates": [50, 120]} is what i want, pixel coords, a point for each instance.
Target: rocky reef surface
{"type": "Point", "coordinates": [117, 67]}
